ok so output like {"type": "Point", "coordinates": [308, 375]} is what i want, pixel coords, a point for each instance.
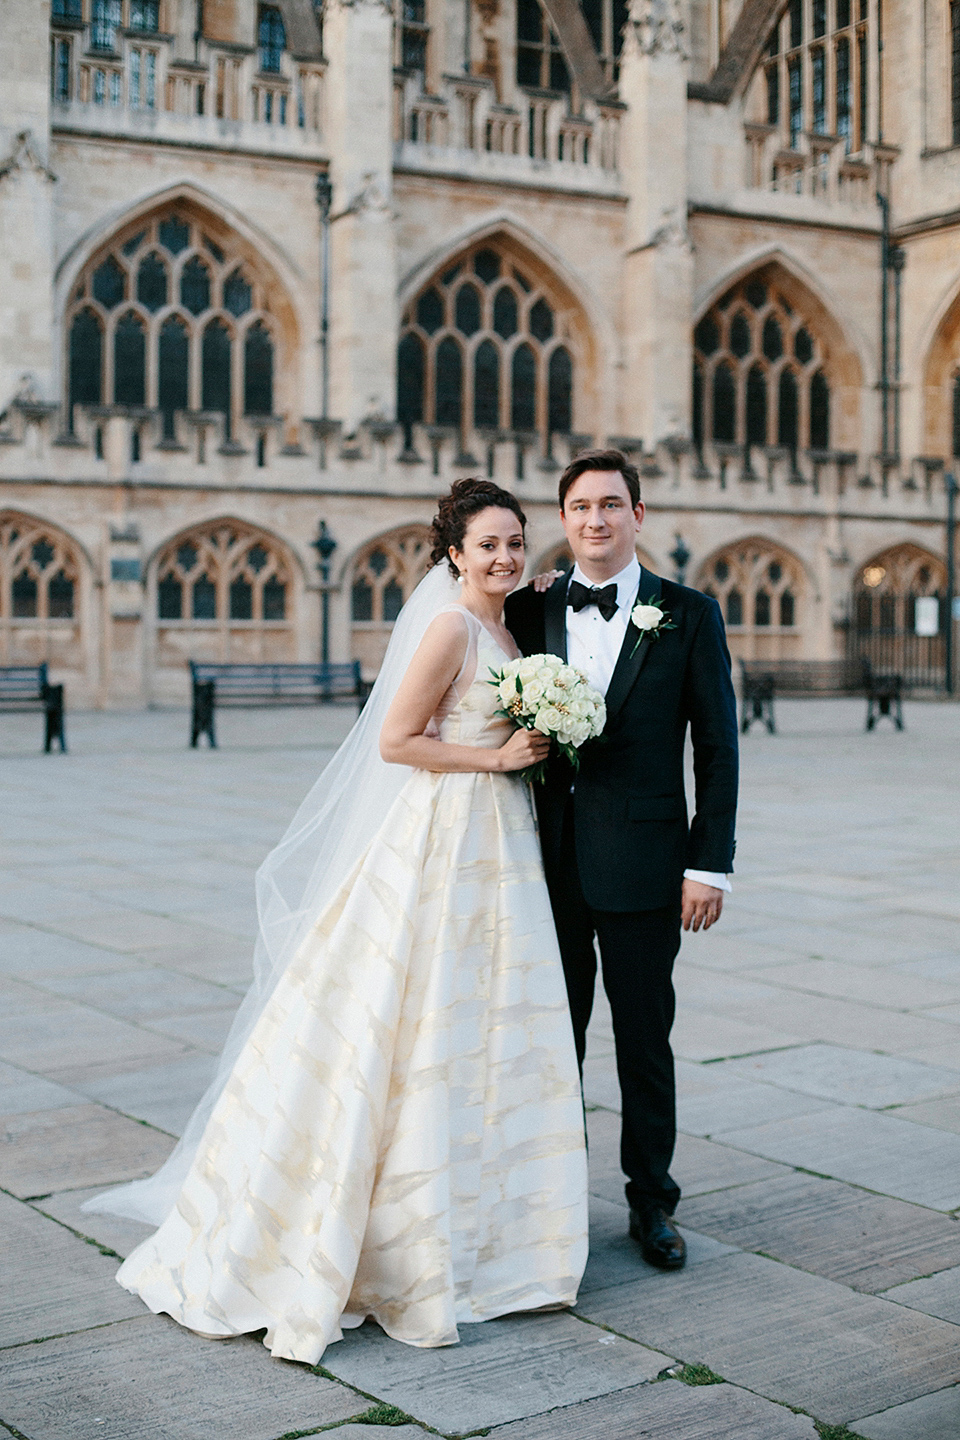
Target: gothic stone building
{"type": "Point", "coordinates": [267, 266]}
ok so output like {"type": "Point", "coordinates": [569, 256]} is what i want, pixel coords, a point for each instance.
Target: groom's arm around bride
{"type": "Point", "coordinates": [622, 862]}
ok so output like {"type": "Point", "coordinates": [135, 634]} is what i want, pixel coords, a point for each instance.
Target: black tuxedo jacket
{"type": "Point", "coordinates": [633, 839]}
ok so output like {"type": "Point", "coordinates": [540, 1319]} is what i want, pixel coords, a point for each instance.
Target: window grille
{"type": "Point", "coordinates": [171, 307]}
{"type": "Point", "coordinates": [541, 64]}
{"type": "Point", "coordinates": [818, 58]}
{"type": "Point", "coordinates": [222, 573]}
{"type": "Point", "coordinates": [758, 585]}
{"type": "Point", "coordinates": [483, 346]}
{"type": "Point", "coordinates": [413, 34]}
{"type": "Point", "coordinates": [145, 15]}
{"type": "Point", "coordinates": [106, 18]}
{"type": "Point", "coordinates": [385, 574]}
{"type": "Point", "coordinates": [39, 577]}
{"type": "Point", "coordinates": [605, 21]}
{"type": "Point", "coordinates": [761, 375]}
{"type": "Point", "coordinates": [60, 70]}
{"type": "Point", "coordinates": [271, 38]}
{"type": "Point", "coordinates": [67, 9]}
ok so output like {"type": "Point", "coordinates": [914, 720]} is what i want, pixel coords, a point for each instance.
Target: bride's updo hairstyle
{"type": "Point", "coordinates": [466, 499]}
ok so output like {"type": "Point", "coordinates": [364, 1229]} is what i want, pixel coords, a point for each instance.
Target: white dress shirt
{"type": "Point", "coordinates": [594, 645]}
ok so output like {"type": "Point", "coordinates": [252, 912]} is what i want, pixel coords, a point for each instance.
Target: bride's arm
{"type": "Point", "coordinates": [432, 671]}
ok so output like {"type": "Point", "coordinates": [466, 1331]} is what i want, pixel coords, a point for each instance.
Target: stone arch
{"type": "Point", "coordinates": [225, 241]}
{"type": "Point", "coordinates": [494, 341]}
{"type": "Point", "coordinates": [44, 583]}
{"type": "Point", "coordinates": [941, 383]}
{"type": "Point", "coordinates": [842, 349]}
{"type": "Point", "coordinates": [380, 578]}
{"type": "Point", "coordinates": [884, 613]}
{"type": "Point", "coordinates": [221, 590]}
{"type": "Point", "coordinates": [766, 595]}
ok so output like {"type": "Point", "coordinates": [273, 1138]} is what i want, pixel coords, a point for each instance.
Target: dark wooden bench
{"type": "Point", "coordinates": [25, 687]}
{"type": "Point", "coordinates": [257, 685]}
{"type": "Point", "coordinates": [762, 680]}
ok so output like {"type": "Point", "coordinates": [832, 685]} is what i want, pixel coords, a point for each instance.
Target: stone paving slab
{"type": "Point", "coordinates": [59, 1036]}
{"type": "Point", "coordinates": [35, 953]}
{"type": "Point", "coordinates": [21, 1092]}
{"type": "Point", "coordinates": [667, 1411]}
{"type": "Point", "coordinates": [80, 1145]}
{"type": "Point", "coordinates": [142, 992]}
{"type": "Point", "coordinates": [938, 1114]}
{"type": "Point", "coordinates": [615, 1259]}
{"type": "Point", "coordinates": [110, 1231]}
{"type": "Point", "coordinates": [500, 1371]}
{"type": "Point", "coordinates": [866, 1241]}
{"type": "Point", "coordinates": [162, 1095]}
{"type": "Point", "coordinates": [706, 1035]}
{"type": "Point", "coordinates": [792, 1337]}
{"type": "Point", "coordinates": [53, 1282]}
{"type": "Point", "coordinates": [699, 1166]}
{"type": "Point", "coordinates": [868, 984]}
{"type": "Point", "coordinates": [934, 1295]}
{"type": "Point", "coordinates": [371, 1432]}
{"type": "Point", "coordinates": [931, 1417]}
{"type": "Point", "coordinates": [149, 1378]}
{"type": "Point", "coordinates": [734, 1101]}
{"type": "Point", "coordinates": [894, 1157]}
{"type": "Point", "coordinates": [850, 1077]}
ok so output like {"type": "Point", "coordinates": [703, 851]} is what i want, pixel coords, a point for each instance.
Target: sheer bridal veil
{"type": "Point", "coordinates": [325, 841]}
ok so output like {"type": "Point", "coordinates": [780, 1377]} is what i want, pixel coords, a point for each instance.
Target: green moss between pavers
{"type": "Point", "coordinates": [834, 1432]}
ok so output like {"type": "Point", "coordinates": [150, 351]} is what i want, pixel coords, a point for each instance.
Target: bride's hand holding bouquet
{"type": "Point", "coordinates": [546, 697]}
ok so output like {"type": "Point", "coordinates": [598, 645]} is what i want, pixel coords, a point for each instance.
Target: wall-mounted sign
{"type": "Point", "coordinates": [926, 615]}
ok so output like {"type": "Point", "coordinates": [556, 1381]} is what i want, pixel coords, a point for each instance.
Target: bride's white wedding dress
{"type": "Point", "coordinates": [401, 1136]}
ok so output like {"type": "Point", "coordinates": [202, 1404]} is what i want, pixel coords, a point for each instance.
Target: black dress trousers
{"type": "Point", "coordinates": [637, 951]}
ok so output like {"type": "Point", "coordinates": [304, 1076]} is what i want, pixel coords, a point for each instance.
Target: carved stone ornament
{"type": "Point", "coordinates": [370, 199]}
{"type": "Point", "coordinates": [659, 27]}
{"type": "Point", "coordinates": [23, 157]}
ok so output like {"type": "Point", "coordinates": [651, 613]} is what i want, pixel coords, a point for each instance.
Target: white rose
{"type": "Point", "coordinates": [533, 691]}
{"type": "Point", "coordinates": [567, 675]}
{"type": "Point", "coordinates": [526, 670]}
{"type": "Point", "coordinates": [646, 617]}
{"type": "Point", "coordinates": [549, 720]}
{"type": "Point", "coordinates": [507, 689]}
{"type": "Point", "coordinates": [555, 694]}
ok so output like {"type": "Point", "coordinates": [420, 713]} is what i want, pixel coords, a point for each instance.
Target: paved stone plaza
{"type": "Point", "coordinates": [818, 1043]}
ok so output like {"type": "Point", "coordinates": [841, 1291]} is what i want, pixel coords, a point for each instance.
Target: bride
{"type": "Point", "coordinates": [396, 1129]}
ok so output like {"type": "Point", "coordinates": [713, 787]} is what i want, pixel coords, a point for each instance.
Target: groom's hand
{"type": "Point", "coordinates": [701, 905]}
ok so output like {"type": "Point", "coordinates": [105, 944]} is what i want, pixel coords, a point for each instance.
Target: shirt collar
{"type": "Point", "coordinates": [627, 581]}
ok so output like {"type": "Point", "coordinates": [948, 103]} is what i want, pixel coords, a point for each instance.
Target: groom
{"type": "Point", "coordinates": [622, 863]}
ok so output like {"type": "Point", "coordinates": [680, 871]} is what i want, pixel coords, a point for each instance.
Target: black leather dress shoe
{"type": "Point", "coordinates": [660, 1241]}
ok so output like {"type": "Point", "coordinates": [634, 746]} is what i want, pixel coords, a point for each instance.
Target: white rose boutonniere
{"type": "Point", "coordinates": [650, 619]}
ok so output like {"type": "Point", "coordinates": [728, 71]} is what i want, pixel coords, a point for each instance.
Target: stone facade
{"type": "Point", "coordinates": [669, 224]}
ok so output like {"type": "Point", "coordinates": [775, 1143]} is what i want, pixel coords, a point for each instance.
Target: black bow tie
{"type": "Point", "coordinates": [579, 596]}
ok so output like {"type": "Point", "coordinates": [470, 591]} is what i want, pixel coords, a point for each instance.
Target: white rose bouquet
{"type": "Point", "coordinates": [543, 692]}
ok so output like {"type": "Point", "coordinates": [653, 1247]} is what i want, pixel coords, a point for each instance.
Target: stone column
{"type": "Point", "coordinates": [658, 270]}
{"type": "Point", "coordinates": [359, 133]}
{"type": "Point", "coordinates": [26, 201]}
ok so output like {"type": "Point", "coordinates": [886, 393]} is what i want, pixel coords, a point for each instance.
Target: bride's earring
{"type": "Point", "coordinates": [460, 578]}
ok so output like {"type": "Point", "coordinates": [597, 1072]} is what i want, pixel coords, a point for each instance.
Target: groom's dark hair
{"type": "Point", "coordinates": [612, 460]}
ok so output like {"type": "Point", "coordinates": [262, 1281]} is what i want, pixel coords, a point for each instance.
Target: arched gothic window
{"type": "Point", "coordinates": [887, 589]}
{"type": "Point", "coordinates": [541, 64]}
{"type": "Point", "coordinates": [814, 77]}
{"type": "Point", "coordinates": [760, 372]}
{"type": "Point", "coordinates": [484, 346]}
{"type": "Point", "coordinates": [223, 573]}
{"type": "Point", "coordinates": [166, 316]}
{"type": "Point", "coordinates": [271, 38]}
{"type": "Point", "coordinates": [384, 576]}
{"type": "Point", "coordinates": [761, 590]}
{"type": "Point", "coordinates": [39, 591]}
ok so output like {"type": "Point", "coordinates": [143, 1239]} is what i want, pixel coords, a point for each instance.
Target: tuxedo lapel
{"type": "Point", "coordinates": [632, 656]}
{"type": "Point", "coordinates": [555, 617]}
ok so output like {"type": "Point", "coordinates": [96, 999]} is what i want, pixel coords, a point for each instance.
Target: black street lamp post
{"type": "Point", "coordinates": [324, 546]}
{"type": "Point", "coordinates": [680, 555]}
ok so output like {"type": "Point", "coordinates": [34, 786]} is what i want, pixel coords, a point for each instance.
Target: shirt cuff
{"type": "Point", "coordinates": [715, 878]}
